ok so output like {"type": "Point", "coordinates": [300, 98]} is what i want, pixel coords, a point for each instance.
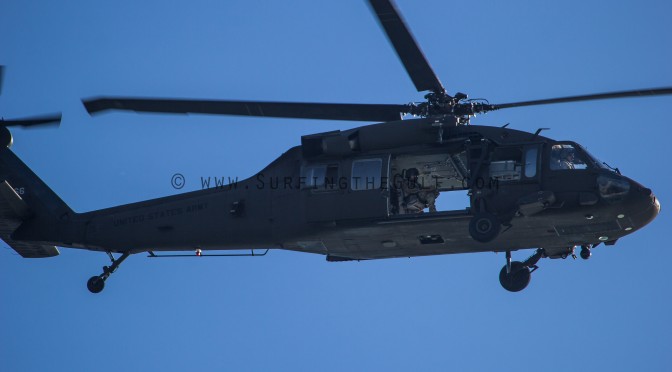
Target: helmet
{"type": "Point", "coordinates": [566, 152]}
{"type": "Point", "coordinates": [412, 172]}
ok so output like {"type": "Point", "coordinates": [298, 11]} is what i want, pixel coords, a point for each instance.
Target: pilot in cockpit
{"type": "Point", "coordinates": [562, 158]}
{"type": "Point", "coordinates": [567, 159]}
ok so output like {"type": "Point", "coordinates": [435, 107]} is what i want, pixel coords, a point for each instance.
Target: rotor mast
{"type": "Point", "coordinates": [439, 102]}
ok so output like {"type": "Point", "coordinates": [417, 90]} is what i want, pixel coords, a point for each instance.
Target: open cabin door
{"type": "Point", "coordinates": [441, 171]}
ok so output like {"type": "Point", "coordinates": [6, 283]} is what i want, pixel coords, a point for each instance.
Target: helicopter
{"type": "Point", "coordinates": [360, 194]}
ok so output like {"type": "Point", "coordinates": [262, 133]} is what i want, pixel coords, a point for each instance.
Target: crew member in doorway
{"type": "Point", "coordinates": [416, 196]}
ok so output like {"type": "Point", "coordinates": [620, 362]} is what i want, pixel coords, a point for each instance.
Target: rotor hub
{"type": "Point", "coordinates": [440, 103]}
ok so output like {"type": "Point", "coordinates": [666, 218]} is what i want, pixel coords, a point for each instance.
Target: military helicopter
{"type": "Point", "coordinates": [359, 194]}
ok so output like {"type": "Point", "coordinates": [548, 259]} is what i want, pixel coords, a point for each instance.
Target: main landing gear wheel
{"type": "Point", "coordinates": [484, 227]}
{"type": "Point", "coordinates": [515, 276]}
{"type": "Point", "coordinates": [517, 279]}
{"type": "Point", "coordinates": [96, 284]}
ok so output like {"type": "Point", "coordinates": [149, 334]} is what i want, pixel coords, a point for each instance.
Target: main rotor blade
{"type": "Point", "coordinates": [51, 120]}
{"type": "Point", "coordinates": [590, 97]}
{"type": "Point", "coordinates": [407, 48]}
{"type": "Point", "coordinates": [325, 111]}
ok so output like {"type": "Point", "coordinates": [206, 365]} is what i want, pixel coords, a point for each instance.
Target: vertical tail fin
{"type": "Point", "coordinates": [40, 199]}
{"type": "Point", "coordinates": [26, 199]}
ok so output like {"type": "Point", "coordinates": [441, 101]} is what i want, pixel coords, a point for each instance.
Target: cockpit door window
{"type": "Point", "coordinates": [531, 156]}
{"type": "Point", "coordinates": [567, 157]}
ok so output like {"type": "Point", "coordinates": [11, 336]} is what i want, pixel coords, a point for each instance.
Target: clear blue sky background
{"type": "Point", "coordinates": [291, 311]}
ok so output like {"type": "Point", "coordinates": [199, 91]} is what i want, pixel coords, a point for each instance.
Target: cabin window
{"type": "Point", "coordinates": [506, 163]}
{"type": "Point", "coordinates": [366, 174]}
{"type": "Point", "coordinates": [531, 156]}
{"type": "Point", "coordinates": [321, 176]}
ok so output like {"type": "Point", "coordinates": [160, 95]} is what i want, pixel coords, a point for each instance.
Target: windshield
{"type": "Point", "coordinates": [568, 156]}
{"type": "Point", "coordinates": [598, 163]}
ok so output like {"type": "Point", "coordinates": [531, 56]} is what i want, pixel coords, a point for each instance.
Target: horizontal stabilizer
{"type": "Point", "coordinates": [13, 211]}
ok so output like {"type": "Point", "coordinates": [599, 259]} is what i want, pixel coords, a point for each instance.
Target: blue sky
{"type": "Point", "coordinates": [289, 311]}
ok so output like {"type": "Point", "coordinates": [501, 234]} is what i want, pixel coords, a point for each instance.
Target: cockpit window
{"type": "Point", "coordinates": [594, 160]}
{"type": "Point", "coordinates": [566, 157]}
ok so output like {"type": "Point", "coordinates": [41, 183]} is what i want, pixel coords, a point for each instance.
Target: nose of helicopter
{"type": "Point", "coordinates": [648, 207]}
{"type": "Point", "coordinates": [635, 205]}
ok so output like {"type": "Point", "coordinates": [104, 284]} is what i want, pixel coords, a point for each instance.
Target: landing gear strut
{"type": "Point", "coordinates": [97, 283]}
{"type": "Point", "coordinates": [516, 275]}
